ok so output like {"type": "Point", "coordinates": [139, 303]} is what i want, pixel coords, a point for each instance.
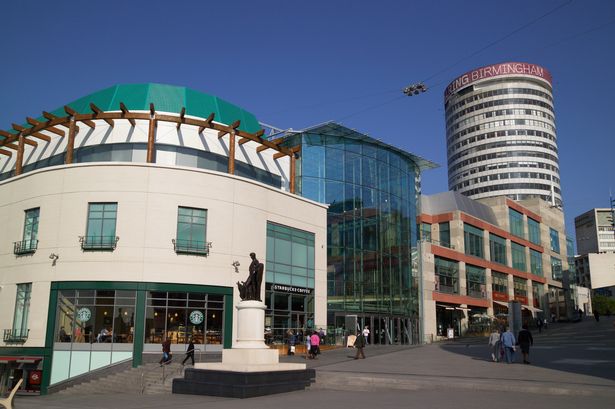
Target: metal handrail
{"type": "Point", "coordinates": [98, 242]}
{"type": "Point", "coordinates": [15, 336]}
{"type": "Point", "coordinates": [191, 246]}
{"type": "Point", "coordinates": [25, 246]}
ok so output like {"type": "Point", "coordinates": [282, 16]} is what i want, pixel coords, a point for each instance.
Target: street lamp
{"type": "Point", "coordinates": [415, 89]}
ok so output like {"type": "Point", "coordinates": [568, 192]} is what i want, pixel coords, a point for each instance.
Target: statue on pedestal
{"type": "Point", "coordinates": [251, 288]}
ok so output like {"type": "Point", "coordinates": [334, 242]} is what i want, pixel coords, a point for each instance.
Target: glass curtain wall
{"type": "Point", "coordinates": [536, 263]}
{"type": "Point", "coordinates": [533, 228]}
{"type": "Point", "coordinates": [497, 246]}
{"type": "Point", "coordinates": [372, 194]}
{"type": "Point", "coordinates": [289, 281]}
{"type": "Point", "coordinates": [516, 223]}
{"type": "Point", "coordinates": [475, 281]}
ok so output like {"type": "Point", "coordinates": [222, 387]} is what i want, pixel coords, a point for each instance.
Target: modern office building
{"type": "Point", "coordinates": [500, 133]}
{"type": "Point", "coordinates": [595, 230]}
{"type": "Point", "coordinates": [129, 215]}
{"type": "Point", "coordinates": [372, 190]}
{"type": "Point", "coordinates": [478, 255]}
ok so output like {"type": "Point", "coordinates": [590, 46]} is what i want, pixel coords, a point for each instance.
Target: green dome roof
{"type": "Point", "coordinates": [168, 98]}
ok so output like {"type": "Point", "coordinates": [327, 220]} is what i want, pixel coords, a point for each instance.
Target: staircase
{"type": "Point", "coordinates": [147, 379]}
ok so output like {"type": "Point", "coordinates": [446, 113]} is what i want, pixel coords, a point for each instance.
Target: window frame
{"type": "Point", "coordinates": [101, 241]}
{"type": "Point", "coordinates": [183, 246]}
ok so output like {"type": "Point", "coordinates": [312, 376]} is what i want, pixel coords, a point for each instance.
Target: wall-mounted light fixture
{"type": "Point", "coordinates": [236, 265]}
{"type": "Point", "coordinates": [54, 257]}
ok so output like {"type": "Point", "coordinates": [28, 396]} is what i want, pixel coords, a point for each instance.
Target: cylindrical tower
{"type": "Point", "coordinates": [500, 133]}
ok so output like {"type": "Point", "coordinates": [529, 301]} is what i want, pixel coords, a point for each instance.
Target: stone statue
{"type": "Point", "coordinates": [251, 288]}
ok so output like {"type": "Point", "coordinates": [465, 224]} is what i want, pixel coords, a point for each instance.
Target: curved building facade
{"type": "Point", "coordinates": [500, 133]}
{"type": "Point", "coordinates": [129, 217]}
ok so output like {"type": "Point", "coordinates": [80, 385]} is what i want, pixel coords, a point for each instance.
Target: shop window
{"type": "Point", "coordinates": [499, 283]}
{"type": "Point", "coordinates": [100, 233]}
{"type": "Point", "coordinates": [191, 231]}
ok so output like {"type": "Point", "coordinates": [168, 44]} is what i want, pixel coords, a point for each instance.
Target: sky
{"type": "Point", "coordinates": [296, 64]}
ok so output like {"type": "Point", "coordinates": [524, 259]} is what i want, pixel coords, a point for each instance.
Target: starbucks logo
{"type": "Point", "coordinates": [84, 314]}
{"type": "Point", "coordinates": [196, 317]}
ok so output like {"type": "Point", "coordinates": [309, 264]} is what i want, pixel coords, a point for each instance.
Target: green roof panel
{"type": "Point", "coordinates": [168, 98]}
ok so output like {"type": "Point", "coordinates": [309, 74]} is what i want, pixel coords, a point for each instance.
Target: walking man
{"type": "Point", "coordinates": [359, 344]}
{"type": "Point", "coordinates": [508, 341]}
{"type": "Point", "coordinates": [189, 353]}
{"type": "Point", "coordinates": [525, 341]}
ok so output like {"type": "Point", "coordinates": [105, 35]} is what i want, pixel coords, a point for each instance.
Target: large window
{"type": "Point", "coordinates": [497, 247]}
{"type": "Point", "coordinates": [518, 257]}
{"type": "Point", "coordinates": [29, 241]}
{"type": "Point", "coordinates": [181, 316]}
{"type": "Point", "coordinates": [445, 234]}
{"type": "Point", "coordinates": [533, 228]}
{"type": "Point", "coordinates": [426, 232]}
{"type": "Point", "coordinates": [473, 240]}
{"type": "Point", "coordinates": [22, 308]}
{"type": "Point", "coordinates": [290, 256]}
{"type": "Point", "coordinates": [536, 263]}
{"type": "Point", "coordinates": [475, 280]}
{"type": "Point", "coordinates": [516, 223]}
{"type": "Point", "coordinates": [556, 268]}
{"type": "Point", "coordinates": [191, 231]}
{"type": "Point", "coordinates": [100, 232]}
{"type": "Point", "coordinates": [537, 294]}
{"type": "Point", "coordinates": [520, 287]}
{"type": "Point", "coordinates": [554, 235]}
{"type": "Point", "coordinates": [500, 283]}
{"type": "Point", "coordinates": [447, 275]}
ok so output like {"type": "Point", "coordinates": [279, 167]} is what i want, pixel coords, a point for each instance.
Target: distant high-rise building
{"type": "Point", "coordinates": [500, 133]}
{"type": "Point", "coordinates": [595, 231]}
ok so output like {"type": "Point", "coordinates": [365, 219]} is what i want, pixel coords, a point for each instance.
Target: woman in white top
{"type": "Point", "coordinates": [366, 334]}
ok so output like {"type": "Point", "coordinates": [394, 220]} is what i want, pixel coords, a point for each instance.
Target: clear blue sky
{"type": "Point", "coordinates": [295, 64]}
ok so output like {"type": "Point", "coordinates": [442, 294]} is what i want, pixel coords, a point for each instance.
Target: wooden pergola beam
{"type": "Point", "coordinates": [151, 134]}
{"type": "Point", "coordinates": [126, 111]}
{"type": "Point", "coordinates": [262, 148]}
{"type": "Point", "coordinates": [51, 117]}
{"type": "Point", "coordinates": [19, 159]}
{"type": "Point", "coordinates": [231, 128]}
{"type": "Point", "coordinates": [152, 110]}
{"type": "Point", "coordinates": [182, 118]}
{"type": "Point", "coordinates": [279, 155]}
{"type": "Point", "coordinates": [5, 152]}
{"type": "Point", "coordinates": [259, 133]}
{"type": "Point", "coordinates": [98, 111]}
{"type": "Point", "coordinates": [74, 113]}
{"type": "Point", "coordinates": [207, 123]}
{"type": "Point", "coordinates": [244, 140]}
{"type": "Point", "coordinates": [51, 129]}
{"type": "Point", "coordinates": [11, 146]}
{"type": "Point", "coordinates": [31, 132]}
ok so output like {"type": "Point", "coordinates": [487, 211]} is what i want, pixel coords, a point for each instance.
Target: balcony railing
{"type": "Point", "coordinates": [25, 247]}
{"type": "Point", "coordinates": [98, 242]}
{"type": "Point", "coordinates": [476, 294]}
{"type": "Point", "coordinates": [439, 243]}
{"type": "Point", "coordinates": [191, 246]}
{"type": "Point", "coordinates": [15, 336]}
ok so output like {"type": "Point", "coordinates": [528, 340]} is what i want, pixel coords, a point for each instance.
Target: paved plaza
{"type": "Point", "coordinates": [573, 366]}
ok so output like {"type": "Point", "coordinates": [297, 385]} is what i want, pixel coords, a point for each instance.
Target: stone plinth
{"type": "Point", "coordinates": [250, 368]}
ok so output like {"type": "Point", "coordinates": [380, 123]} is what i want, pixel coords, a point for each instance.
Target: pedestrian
{"type": "Point", "coordinates": [189, 352]}
{"type": "Point", "coordinates": [366, 334]}
{"type": "Point", "coordinates": [539, 324]}
{"type": "Point", "coordinates": [359, 344]}
{"type": "Point", "coordinates": [508, 341]}
{"type": "Point", "coordinates": [314, 345]}
{"type": "Point", "coordinates": [321, 335]}
{"type": "Point", "coordinates": [525, 341]}
{"type": "Point", "coordinates": [308, 345]}
{"type": "Point", "coordinates": [546, 323]}
{"type": "Point", "coordinates": [292, 340]}
{"type": "Point", "coordinates": [166, 352]}
{"type": "Point", "coordinates": [494, 344]}
{"type": "Point", "coordinates": [597, 315]}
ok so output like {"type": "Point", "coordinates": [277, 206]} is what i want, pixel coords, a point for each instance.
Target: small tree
{"type": "Point", "coordinates": [603, 305]}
